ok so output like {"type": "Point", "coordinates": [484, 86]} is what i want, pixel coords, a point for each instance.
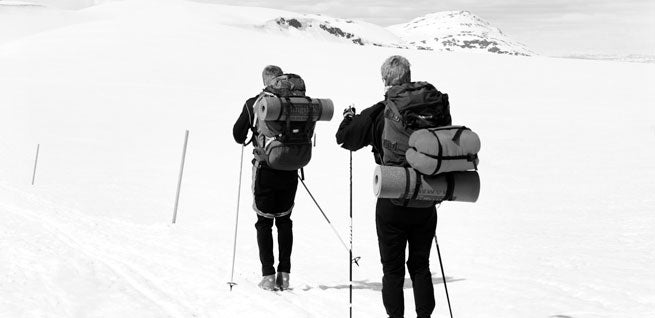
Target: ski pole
{"type": "Point", "coordinates": [325, 216]}
{"type": "Point", "coordinates": [351, 235]}
{"type": "Point", "coordinates": [236, 223]}
{"type": "Point", "coordinates": [443, 276]}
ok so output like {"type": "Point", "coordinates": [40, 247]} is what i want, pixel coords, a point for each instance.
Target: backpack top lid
{"type": "Point", "coordinates": [286, 85]}
{"type": "Point", "coordinates": [418, 105]}
{"type": "Point", "coordinates": [396, 91]}
{"type": "Point", "coordinates": [414, 93]}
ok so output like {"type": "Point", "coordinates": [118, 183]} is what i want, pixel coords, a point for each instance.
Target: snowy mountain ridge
{"type": "Point", "coordinates": [457, 31]}
{"type": "Point", "coordinates": [333, 29]}
{"type": "Point", "coordinates": [440, 31]}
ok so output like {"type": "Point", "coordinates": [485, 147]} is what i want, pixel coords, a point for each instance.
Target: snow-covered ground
{"type": "Point", "coordinates": [564, 226]}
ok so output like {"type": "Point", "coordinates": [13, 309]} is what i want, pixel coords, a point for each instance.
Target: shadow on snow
{"type": "Point", "coordinates": [365, 284]}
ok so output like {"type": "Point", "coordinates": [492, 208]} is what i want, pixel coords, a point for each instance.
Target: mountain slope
{"type": "Point", "coordinates": [457, 31]}
{"type": "Point", "coordinates": [334, 29]}
{"type": "Point", "coordinates": [21, 18]}
{"type": "Point", "coordinates": [441, 31]}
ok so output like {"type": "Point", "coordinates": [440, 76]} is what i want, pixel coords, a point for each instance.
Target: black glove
{"type": "Point", "coordinates": [349, 112]}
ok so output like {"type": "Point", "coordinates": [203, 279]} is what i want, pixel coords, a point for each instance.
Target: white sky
{"type": "Point", "coordinates": [552, 27]}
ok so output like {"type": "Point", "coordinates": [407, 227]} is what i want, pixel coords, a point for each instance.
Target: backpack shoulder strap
{"type": "Point", "coordinates": [253, 119]}
{"type": "Point", "coordinates": [391, 111]}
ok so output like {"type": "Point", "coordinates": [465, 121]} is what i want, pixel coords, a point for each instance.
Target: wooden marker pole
{"type": "Point", "coordinates": [179, 181]}
{"type": "Point", "coordinates": [36, 160]}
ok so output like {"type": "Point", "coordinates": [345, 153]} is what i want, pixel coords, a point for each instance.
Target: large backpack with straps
{"type": "Point", "coordinates": [410, 107]}
{"type": "Point", "coordinates": [417, 134]}
{"type": "Point", "coordinates": [282, 144]}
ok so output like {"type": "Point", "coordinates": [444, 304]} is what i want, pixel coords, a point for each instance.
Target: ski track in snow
{"type": "Point", "coordinates": [142, 262]}
{"type": "Point", "coordinates": [97, 247]}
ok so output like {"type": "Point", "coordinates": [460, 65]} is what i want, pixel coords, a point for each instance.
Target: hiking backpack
{"type": "Point", "coordinates": [410, 107]}
{"type": "Point", "coordinates": [282, 144]}
{"type": "Point", "coordinates": [418, 137]}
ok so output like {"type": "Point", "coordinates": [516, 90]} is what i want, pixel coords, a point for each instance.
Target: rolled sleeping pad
{"type": "Point", "coordinates": [271, 108]}
{"type": "Point", "coordinates": [444, 149]}
{"type": "Point", "coordinates": [399, 183]}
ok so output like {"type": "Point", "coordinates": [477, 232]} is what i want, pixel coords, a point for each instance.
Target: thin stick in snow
{"type": "Point", "coordinates": [36, 160]}
{"type": "Point", "coordinates": [179, 181]}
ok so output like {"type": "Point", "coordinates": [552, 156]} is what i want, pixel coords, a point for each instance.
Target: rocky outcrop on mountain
{"type": "Point", "coordinates": [457, 31]}
{"type": "Point", "coordinates": [441, 31]}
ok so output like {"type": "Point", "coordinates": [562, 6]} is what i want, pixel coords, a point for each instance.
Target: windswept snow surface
{"type": "Point", "coordinates": [564, 226]}
{"type": "Point", "coordinates": [19, 19]}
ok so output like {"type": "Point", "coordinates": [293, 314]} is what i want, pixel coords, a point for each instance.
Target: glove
{"type": "Point", "coordinates": [349, 112]}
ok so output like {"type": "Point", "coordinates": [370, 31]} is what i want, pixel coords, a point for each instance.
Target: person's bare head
{"type": "Point", "coordinates": [395, 71]}
{"type": "Point", "coordinates": [270, 72]}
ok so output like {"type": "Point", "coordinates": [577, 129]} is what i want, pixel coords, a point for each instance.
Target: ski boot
{"type": "Point", "coordinates": [282, 280]}
{"type": "Point", "coordinates": [267, 283]}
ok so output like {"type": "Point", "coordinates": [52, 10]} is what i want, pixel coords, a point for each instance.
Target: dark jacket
{"type": "Point", "coordinates": [244, 122]}
{"type": "Point", "coordinates": [363, 130]}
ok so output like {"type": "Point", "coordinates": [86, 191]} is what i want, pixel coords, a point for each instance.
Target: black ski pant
{"type": "Point", "coordinates": [274, 195]}
{"type": "Point", "coordinates": [264, 227]}
{"type": "Point", "coordinates": [396, 228]}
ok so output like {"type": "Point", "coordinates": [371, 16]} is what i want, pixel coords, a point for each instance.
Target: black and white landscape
{"type": "Point", "coordinates": [564, 226]}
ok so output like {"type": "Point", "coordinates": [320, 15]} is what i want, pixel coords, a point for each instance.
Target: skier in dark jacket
{"type": "Point", "coordinates": [396, 225]}
{"type": "Point", "coordinates": [274, 193]}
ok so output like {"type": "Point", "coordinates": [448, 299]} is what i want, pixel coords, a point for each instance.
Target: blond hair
{"type": "Point", "coordinates": [270, 72]}
{"type": "Point", "coordinates": [395, 71]}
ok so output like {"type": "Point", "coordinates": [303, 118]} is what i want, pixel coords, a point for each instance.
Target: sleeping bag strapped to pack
{"type": "Point", "coordinates": [443, 149]}
{"type": "Point", "coordinates": [284, 123]}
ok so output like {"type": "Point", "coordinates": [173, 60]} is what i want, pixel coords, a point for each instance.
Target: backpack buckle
{"type": "Point", "coordinates": [391, 115]}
